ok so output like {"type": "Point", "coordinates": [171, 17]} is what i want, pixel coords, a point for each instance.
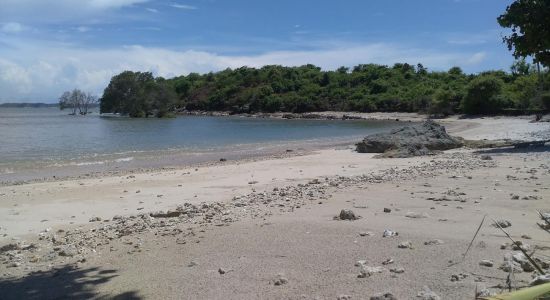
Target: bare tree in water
{"type": "Point", "coordinates": [77, 100]}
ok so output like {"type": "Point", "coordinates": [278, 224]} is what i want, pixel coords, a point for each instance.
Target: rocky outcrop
{"type": "Point", "coordinates": [408, 141]}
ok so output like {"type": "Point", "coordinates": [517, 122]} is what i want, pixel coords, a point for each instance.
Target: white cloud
{"type": "Point", "coordinates": [41, 72]}
{"type": "Point", "coordinates": [12, 27]}
{"type": "Point", "coordinates": [55, 11]}
{"type": "Point", "coordinates": [153, 10]}
{"type": "Point", "coordinates": [83, 28]}
{"type": "Point", "coordinates": [183, 6]}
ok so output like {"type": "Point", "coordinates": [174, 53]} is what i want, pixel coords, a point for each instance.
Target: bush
{"type": "Point", "coordinates": [483, 96]}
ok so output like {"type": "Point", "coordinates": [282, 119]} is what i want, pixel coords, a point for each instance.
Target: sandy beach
{"type": "Point", "coordinates": [264, 228]}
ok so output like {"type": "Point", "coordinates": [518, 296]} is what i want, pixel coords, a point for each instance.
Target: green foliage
{"type": "Point", "coordinates": [483, 95]}
{"type": "Point", "coordinates": [530, 24]}
{"type": "Point", "coordinates": [366, 88]}
{"type": "Point", "coordinates": [139, 95]}
{"type": "Point", "coordinates": [545, 99]}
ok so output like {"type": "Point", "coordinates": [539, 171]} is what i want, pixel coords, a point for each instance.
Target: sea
{"type": "Point", "coordinates": [45, 143]}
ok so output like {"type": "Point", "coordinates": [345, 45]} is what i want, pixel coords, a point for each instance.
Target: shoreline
{"type": "Point", "coordinates": [482, 128]}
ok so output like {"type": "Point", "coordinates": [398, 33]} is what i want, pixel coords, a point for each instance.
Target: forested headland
{"type": "Point", "coordinates": [365, 88]}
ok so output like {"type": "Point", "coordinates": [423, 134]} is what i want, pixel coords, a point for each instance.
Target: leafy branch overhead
{"type": "Point", "coordinates": [530, 24]}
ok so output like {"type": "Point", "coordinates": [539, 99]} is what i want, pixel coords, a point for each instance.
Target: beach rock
{"type": "Point", "coordinates": [343, 297]}
{"type": "Point", "coordinates": [405, 245]}
{"type": "Point", "coordinates": [387, 210]}
{"type": "Point", "coordinates": [347, 214]}
{"type": "Point", "coordinates": [434, 242]}
{"type": "Point", "coordinates": [95, 219]}
{"type": "Point", "coordinates": [503, 223]}
{"type": "Point", "coordinates": [415, 215]}
{"type": "Point", "coordinates": [541, 279]}
{"type": "Point", "coordinates": [484, 292]}
{"type": "Point", "coordinates": [509, 266]}
{"type": "Point", "coordinates": [10, 247]}
{"type": "Point", "coordinates": [389, 233]}
{"type": "Point", "coordinates": [168, 214]}
{"type": "Point", "coordinates": [280, 280]}
{"type": "Point", "coordinates": [486, 263]}
{"type": "Point", "coordinates": [367, 271]}
{"type": "Point", "coordinates": [222, 271]}
{"type": "Point", "coordinates": [427, 294]}
{"type": "Point", "coordinates": [522, 260]}
{"type": "Point", "coordinates": [397, 270]}
{"type": "Point", "coordinates": [408, 141]}
{"type": "Point", "coordinates": [458, 277]}
{"type": "Point", "coordinates": [486, 157]}
{"type": "Point", "coordinates": [385, 296]}
{"type": "Point", "coordinates": [68, 251]}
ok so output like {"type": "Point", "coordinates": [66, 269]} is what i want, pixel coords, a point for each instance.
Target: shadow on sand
{"type": "Point", "coordinates": [61, 283]}
{"type": "Point", "coordinates": [545, 148]}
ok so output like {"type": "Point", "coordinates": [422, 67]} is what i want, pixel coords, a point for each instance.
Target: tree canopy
{"type": "Point", "coordinates": [139, 94]}
{"type": "Point", "coordinates": [530, 24]}
{"type": "Point", "coordinates": [368, 87]}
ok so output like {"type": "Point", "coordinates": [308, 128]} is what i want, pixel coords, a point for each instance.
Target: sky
{"type": "Point", "coordinates": [47, 47]}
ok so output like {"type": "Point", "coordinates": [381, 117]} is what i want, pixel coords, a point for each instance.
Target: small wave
{"type": "Point", "coordinates": [7, 171]}
{"type": "Point", "coordinates": [125, 159]}
{"type": "Point", "coordinates": [88, 163]}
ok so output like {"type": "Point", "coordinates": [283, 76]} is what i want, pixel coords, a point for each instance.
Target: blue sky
{"type": "Point", "coordinates": [47, 47]}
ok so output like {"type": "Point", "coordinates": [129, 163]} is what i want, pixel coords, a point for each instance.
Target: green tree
{"type": "Point", "coordinates": [530, 24]}
{"type": "Point", "coordinates": [483, 96]}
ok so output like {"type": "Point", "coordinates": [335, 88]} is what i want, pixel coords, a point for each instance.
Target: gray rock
{"type": "Point", "coordinates": [415, 215]}
{"type": "Point", "coordinates": [347, 214]}
{"type": "Point", "coordinates": [387, 210]}
{"type": "Point", "coordinates": [280, 280]}
{"type": "Point", "coordinates": [434, 242]}
{"type": "Point", "coordinates": [486, 157]}
{"type": "Point", "coordinates": [397, 270]}
{"type": "Point", "coordinates": [9, 247]}
{"type": "Point", "coordinates": [389, 233]}
{"type": "Point", "coordinates": [427, 294]}
{"type": "Point", "coordinates": [486, 263]}
{"type": "Point", "coordinates": [222, 271]}
{"type": "Point", "coordinates": [405, 245]}
{"type": "Point", "coordinates": [95, 219]}
{"type": "Point", "coordinates": [541, 279]}
{"type": "Point", "coordinates": [385, 296]}
{"type": "Point", "coordinates": [503, 223]}
{"type": "Point", "coordinates": [343, 297]}
{"type": "Point", "coordinates": [408, 141]}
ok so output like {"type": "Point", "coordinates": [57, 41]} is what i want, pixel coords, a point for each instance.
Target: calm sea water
{"type": "Point", "coordinates": [34, 138]}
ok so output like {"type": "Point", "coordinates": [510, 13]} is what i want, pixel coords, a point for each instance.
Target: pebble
{"type": "Point", "coordinates": [486, 263]}
{"type": "Point", "coordinates": [221, 271]}
{"type": "Point", "coordinates": [405, 245]}
{"type": "Point", "coordinates": [385, 296]}
{"type": "Point", "coordinates": [280, 280]}
{"type": "Point", "coordinates": [397, 270]}
{"type": "Point", "coordinates": [503, 223]}
{"type": "Point", "coordinates": [387, 210]}
{"type": "Point", "coordinates": [434, 242]}
{"type": "Point", "coordinates": [389, 233]}
{"type": "Point", "coordinates": [427, 294]}
{"type": "Point", "coordinates": [414, 215]}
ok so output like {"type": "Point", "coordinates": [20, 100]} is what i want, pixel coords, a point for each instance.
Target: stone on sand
{"type": "Point", "coordinates": [347, 214]}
